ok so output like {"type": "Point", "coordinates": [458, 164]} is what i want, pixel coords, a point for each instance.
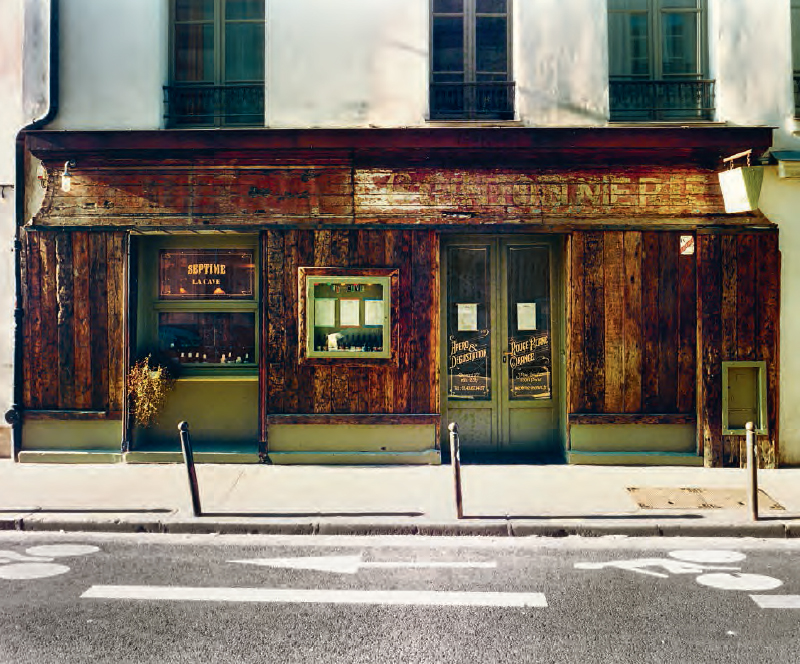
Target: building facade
{"type": "Point", "coordinates": [344, 226]}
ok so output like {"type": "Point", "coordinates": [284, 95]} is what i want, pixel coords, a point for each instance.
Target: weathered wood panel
{"type": "Point", "coordinates": [594, 322]}
{"type": "Point", "coordinates": [768, 331]}
{"type": "Point", "coordinates": [403, 386]}
{"type": "Point", "coordinates": [73, 340]}
{"type": "Point", "coordinates": [687, 332]}
{"type": "Point", "coordinates": [709, 340]}
{"type": "Point", "coordinates": [637, 324]}
{"type": "Point", "coordinates": [668, 323]}
{"type": "Point", "coordinates": [632, 321]}
{"type": "Point", "coordinates": [65, 302]}
{"type": "Point", "coordinates": [49, 332]}
{"type": "Point", "coordinates": [83, 326]}
{"type": "Point", "coordinates": [576, 324]}
{"type": "Point", "coordinates": [174, 192]}
{"type": "Point", "coordinates": [738, 305]}
{"type": "Point", "coordinates": [650, 356]}
{"type": "Point", "coordinates": [614, 276]}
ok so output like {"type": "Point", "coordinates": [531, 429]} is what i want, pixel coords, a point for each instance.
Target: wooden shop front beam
{"type": "Point", "coordinates": [534, 179]}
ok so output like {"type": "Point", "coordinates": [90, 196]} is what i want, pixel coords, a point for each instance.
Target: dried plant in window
{"type": "Point", "coordinates": [148, 386]}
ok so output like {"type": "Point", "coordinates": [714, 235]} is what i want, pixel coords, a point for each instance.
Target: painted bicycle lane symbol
{"type": "Point", "coordinates": [38, 561]}
{"type": "Point", "coordinates": [710, 568]}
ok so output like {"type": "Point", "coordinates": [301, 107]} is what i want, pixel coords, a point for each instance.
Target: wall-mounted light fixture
{"type": "Point", "coordinates": [66, 176]}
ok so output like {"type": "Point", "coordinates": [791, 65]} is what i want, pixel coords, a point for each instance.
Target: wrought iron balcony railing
{"type": "Point", "coordinates": [670, 100]}
{"type": "Point", "coordinates": [214, 105]}
{"type": "Point", "coordinates": [491, 100]}
{"type": "Point", "coordinates": [797, 94]}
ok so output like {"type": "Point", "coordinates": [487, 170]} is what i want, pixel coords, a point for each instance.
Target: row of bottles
{"type": "Point", "coordinates": [363, 343]}
{"type": "Point", "coordinates": [211, 356]}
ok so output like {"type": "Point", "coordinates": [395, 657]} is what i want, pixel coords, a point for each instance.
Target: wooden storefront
{"type": "Point", "coordinates": [644, 289]}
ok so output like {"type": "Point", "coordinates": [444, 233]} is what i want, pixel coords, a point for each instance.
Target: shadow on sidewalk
{"type": "Point", "coordinates": [93, 510]}
{"type": "Point", "coordinates": [296, 515]}
{"type": "Point", "coordinates": [587, 517]}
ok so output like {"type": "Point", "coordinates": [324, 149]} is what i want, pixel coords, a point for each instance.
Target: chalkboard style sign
{"type": "Point", "coordinates": [529, 366]}
{"type": "Point", "coordinates": [468, 366]}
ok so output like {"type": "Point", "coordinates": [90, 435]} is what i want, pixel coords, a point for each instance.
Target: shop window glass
{"type": "Point", "coordinates": [206, 306]}
{"type": "Point", "coordinates": [346, 316]}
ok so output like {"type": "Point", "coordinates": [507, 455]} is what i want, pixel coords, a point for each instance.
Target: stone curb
{"type": "Point", "coordinates": [466, 527]}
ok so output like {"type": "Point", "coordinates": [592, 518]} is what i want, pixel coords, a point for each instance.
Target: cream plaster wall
{"type": "Point", "coordinates": [112, 64]}
{"type": "Point", "coordinates": [780, 202]}
{"type": "Point", "coordinates": [561, 62]}
{"type": "Point", "coordinates": [349, 63]}
{"type": "Point", "coordinates": [24, 97]}
{"type": "Point", "coordinates": [750, 58]}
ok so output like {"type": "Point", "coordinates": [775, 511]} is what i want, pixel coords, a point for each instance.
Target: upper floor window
{"type": "Point", "coordinates": [470, 60]}
{"type": "Point", "coordinates": [796, 54]}
{"type": "Point", "coordinates": [217, 67]}
{"type": "Point", "coordinates": [657, 60]}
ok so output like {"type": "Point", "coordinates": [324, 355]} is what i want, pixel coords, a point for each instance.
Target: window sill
{"type": "Point", "coordinates": [474, 123]}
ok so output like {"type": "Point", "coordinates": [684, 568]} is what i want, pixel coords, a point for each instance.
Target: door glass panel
{"type": "Point", "coordinates": [528, 357]}
{"type": "Point", "coordinates": [468, 326]}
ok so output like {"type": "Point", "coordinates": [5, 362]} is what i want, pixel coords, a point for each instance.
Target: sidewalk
{"type": "Point", "coordinates": [499, 500]}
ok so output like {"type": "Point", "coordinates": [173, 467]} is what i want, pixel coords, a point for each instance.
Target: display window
{"type": "Point", "coordinates": [203, 311]}
{"type": "Point", "coordinates": [346, 313]}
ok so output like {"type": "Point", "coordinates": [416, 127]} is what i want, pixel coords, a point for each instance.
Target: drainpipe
{"type": "Point", "coordinates": [14, 416]}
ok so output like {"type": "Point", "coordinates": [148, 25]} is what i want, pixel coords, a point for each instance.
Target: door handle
{"type": "Point", "coordinates": [505, 356]}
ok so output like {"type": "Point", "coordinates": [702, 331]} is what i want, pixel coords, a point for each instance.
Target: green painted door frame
{"type": "Point", "coordinates": [518, 321]}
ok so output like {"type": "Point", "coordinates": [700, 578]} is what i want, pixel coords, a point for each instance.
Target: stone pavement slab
{"type": "Point", "coordinates": [499, 500]}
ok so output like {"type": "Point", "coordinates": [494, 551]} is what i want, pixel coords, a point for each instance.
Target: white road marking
{"type": "Point", "coordinates": [29, 570]}
{"type": "Point", "coordinates": [61, 550]}
{"type": "Point", "coordinates": [13, 556]}
{"type": "Point", "coordinates": [739, 581]}
{"type": "Point", "coordinates": [351, 564]}
{"type": "Point", "coordinates": [641, 565]}
{"type": "Point", "coordinates": [708, 556]}
{"type": "Point", "coordinates": [313, 596]}
{"type": "Point", "coordinates": [777, 601]}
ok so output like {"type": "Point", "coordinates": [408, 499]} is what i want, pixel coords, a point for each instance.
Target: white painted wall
{"type": "Point", "coordinates": [750, 45]}
{"type": "Point", "coordinates": [780, 202]}
{"type": "Point", "coordinates": [348, 63]}
{"type": "Point", "coordinates": [24, 97]}
{"type": "Point", "coordinates": [561, 62]}
{"type": "Point", "coordinates": [11, 40]}
{"type": "Point", "coordinates": [113, 64]}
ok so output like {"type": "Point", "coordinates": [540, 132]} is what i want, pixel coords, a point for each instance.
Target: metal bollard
{"type": "Point", "coordinates": [752, 469]}
{"type": "Point", "coordinates": [455, 459]}
{"type": "Point", "coordinates": [188, 459]}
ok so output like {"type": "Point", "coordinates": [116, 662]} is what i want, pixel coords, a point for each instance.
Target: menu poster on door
{"type": "Point", "coordinates": [529, 366]}
{"type": "Point", "coordinates": [468, 366]}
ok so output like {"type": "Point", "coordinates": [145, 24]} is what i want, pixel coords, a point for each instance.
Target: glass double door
{"type": "Point", "coordinates": [501, 346]}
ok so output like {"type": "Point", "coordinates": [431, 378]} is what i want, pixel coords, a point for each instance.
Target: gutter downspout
{"type": "Point", "coordinates": [14, 416]}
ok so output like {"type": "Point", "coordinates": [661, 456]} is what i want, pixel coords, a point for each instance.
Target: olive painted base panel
{"type": "Point", "coordinates": [199, 457]}
{"type": "Point", "coordinates": [219, 412]}
{"type": "Point", "coordinates": [634, 459]}
{"type": "Point", "coordinates": [352, 438]}
{"type": "Point", "coordinates": [424, 457]}
{"type": "Point", "coordinates": [72, 436]}
{"type": "Point", "coordinates": [5, 442]}
{"type": "Point", "coordinates": [66, 456]}
{"type": "Point", "coordinates": [633, 438]}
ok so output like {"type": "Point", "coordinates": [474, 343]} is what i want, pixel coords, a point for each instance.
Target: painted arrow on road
{"type": "Point", "coordinates": [352, 564]}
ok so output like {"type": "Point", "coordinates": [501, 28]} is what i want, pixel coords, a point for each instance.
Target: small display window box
{"type": "Point", "coordinates": [347, 314]}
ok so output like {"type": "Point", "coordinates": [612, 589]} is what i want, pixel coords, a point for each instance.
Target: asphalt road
{"type": "Point", "coordinates": [161, 598]}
